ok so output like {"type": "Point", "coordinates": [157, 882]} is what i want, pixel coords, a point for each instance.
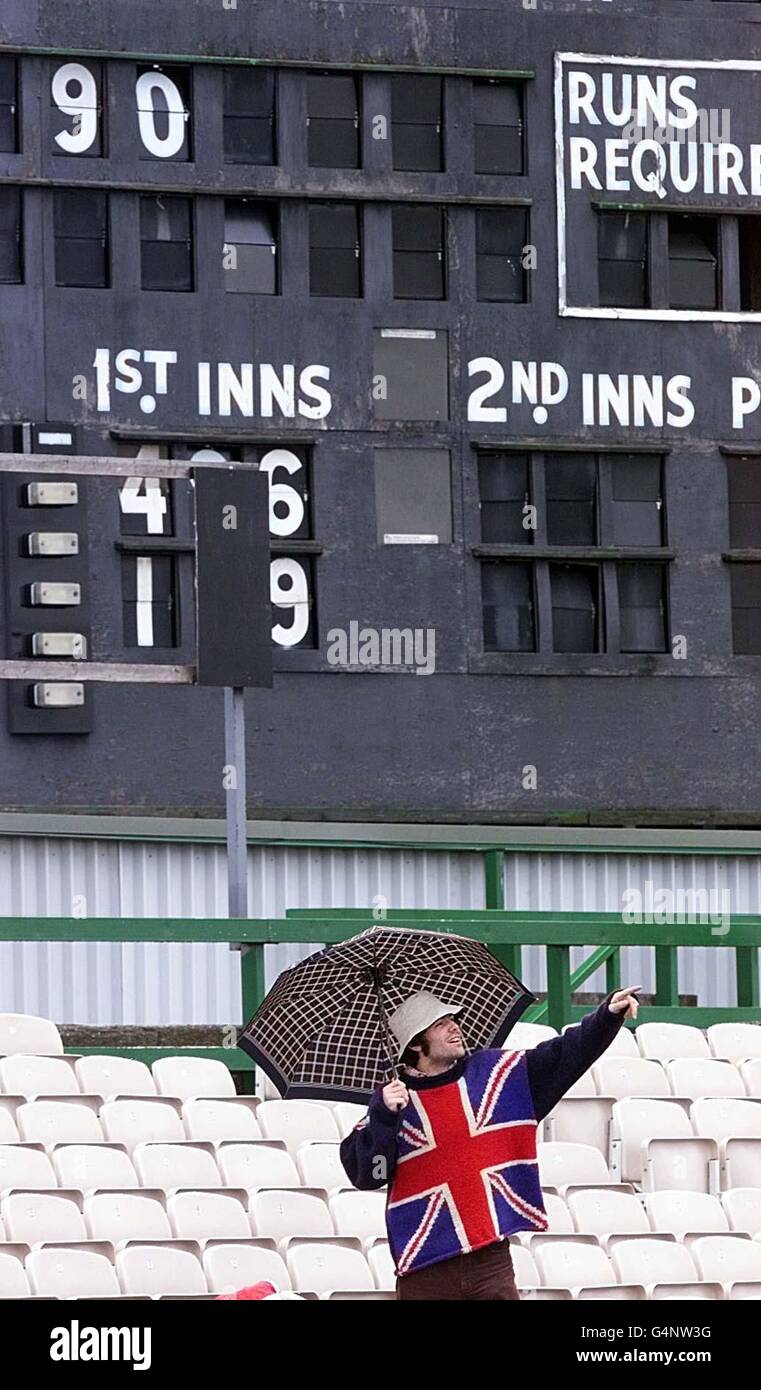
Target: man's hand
{"type": "Point", "coordinates": [395, 1095]}
{"type": "Point", "coordinates": [625, 1002]}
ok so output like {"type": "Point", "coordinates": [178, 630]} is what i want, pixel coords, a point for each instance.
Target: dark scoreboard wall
{"type": "Point", "coordinates": [511, 418]}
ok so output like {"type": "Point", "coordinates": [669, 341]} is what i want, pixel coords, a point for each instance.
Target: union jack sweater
{"type": "Point", "coordinates": [460, 1159]}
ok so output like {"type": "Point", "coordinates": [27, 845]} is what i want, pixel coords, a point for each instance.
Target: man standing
{"type": "Point", "coordinates": [455, 1140]}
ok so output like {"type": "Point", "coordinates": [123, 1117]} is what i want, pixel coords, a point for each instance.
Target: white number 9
{"type": "Point", "coordinates": [83, 106]}
{"type": "Point", "coordinates": [289, 589]}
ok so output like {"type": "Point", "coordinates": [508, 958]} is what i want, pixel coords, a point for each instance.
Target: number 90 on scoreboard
{"type": "Point", "coordinates": [169, 563]}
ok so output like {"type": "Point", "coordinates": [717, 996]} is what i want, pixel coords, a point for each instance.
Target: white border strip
{"type": "Point", "coordinates": [590, 312]}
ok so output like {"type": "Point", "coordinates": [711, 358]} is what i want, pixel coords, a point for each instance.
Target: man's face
{"type": "Point", "coordinates": [445, 1040]}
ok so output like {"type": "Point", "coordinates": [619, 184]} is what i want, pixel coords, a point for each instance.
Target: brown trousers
{"type": "Point", "coordinates": [483, 1274]}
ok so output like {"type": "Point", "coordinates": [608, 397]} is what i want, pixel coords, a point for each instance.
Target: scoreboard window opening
{"type": "Point", "coordinates": [744, 489]}
{"type": "Point", "coordinates": [76, 98]}
{"type": "Point", "coordinates": [622, 259]}
{"type": "Point", "coordinates": [501, 237]}
{"type": "Point", "coordinates": [678, 260]}
{"type": "Point", "coordinates": [416, 122]}
{"type": "Point", "coordinates": [163, 112]}
{"type": "Point", "coordinates": [335, 258]}
{"type": "Point", "coordinates": [11, 229]}
{"type": "Point", "coordinates": [249, 254]}
{"type": "Point", "coordinates": [81, 236]}
{"type": "Point", "coordinates": [166, 243]}
{"type": "Point", "coordinates": [8, 105]}
{"type": "Point", "coordinates": [249, 116]}
{"type": "Point", "coordinates": [572, 503]}
{"type": "Point", "coordinates": [413, 496]}
{"type": "Point", "coordinates": [333, 121]}
{"type": "Point", "coordinates": [693, 261]}
{"type": "Point", "coordinates": [498, 127]}
{"type": "Point", "coordinates": [418, 249]}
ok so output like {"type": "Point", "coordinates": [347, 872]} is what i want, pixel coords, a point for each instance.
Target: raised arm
{"type": "Point", "coordinates": [553, 1066]}
{"type": "Point", "coordinates": [368, 1153]}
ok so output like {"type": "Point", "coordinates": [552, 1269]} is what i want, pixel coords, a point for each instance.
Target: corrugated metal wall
{"type": "Point", "coordinates": [152, 984]}
{"type": "Point", "coordinates": [156, 984]}
{"type": "Point", "coordinates": [557, 881]}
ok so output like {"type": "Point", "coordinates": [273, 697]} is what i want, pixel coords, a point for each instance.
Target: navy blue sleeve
{"type": "Point", "coordinates": [553, 1066]}
{"type": "Point", "coordinates": [368, 1154]}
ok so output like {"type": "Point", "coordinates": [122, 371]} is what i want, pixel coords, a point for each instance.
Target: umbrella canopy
{"type": "Point", "coordinates": [322, 1031]}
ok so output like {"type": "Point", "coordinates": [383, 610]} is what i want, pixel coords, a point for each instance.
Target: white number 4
{"type": "Point", "coordinates": [151, 503]}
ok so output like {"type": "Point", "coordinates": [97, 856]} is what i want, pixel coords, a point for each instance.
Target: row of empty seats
{"type": "Point", "coordinates": [659, 1143]}
{"type": "Point", "coordinates": [150, 1269]}
{"type": "Point", "coordinates": [65, 1214]}
{"type": "Point", "coordinates": [181, 1078]}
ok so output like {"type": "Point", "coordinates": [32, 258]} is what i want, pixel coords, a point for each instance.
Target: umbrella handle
{"type": "Point", "coordinates": [394, 1067]}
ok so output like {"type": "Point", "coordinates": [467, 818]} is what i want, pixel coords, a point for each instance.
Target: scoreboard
{"type": "Point", "coordinates": [479, 306]}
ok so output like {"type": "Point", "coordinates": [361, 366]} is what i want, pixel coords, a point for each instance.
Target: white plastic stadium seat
{"type": "Point", "coordinates": [567, 1263]}
{"type": "Point", "coordinates": [347, 1115]}
{"type": "Point", "coordinates": [558, 1216]}
{"type": "Point", "coordinates": [597, 1212]}
{"type": "Point", "coordinates": [8, 1128]}
{"type": "Point", "coordinates": [296, 1121]}
{"type": "Point", "coordinates": [63, 1273]}
{"type": "Point", "coordinates": [140, 1121]}
{"type": "Point", "coordinates": [119, 1216]}
{"type": "Point", "coordinates": [26, 1033]}
{"type": "Point", "coordinates": [683, 1212]}
{"type": "Point", "coordinates": [321, 1266]}
{"type": "Point", "coordinates": [29, 1075]}
{"type": "Point", "coordinates": [561, 1164]}
{"type": "Point", "coordinates": [38, 1216]}
{"type": "Point", "coordinates": [320, 1165]}
{"type": "Point", "coordinates": [696, 1077]}
{"type": "Point", "coordinates": [524, 1267]}
{"type": "Point", "coordinates": [87, 1166]}
{"type": "Point", "coordinates": [736, 1127]}
{"type": "Point", "coordinates": [25, 1165]}
{"type": "Point", "coordinates": [168, 1166]}
{"type": "Point", "coordinates": [750, 1072]}
{"type": "Point", "coordinates": [114, 1076]}
{"type": "Point", "coordinates": [208, 1216]}
{"type": "Point", "coordinates": [658, 1147]}
{"type": "Point", "coordinates": [145, 1269]}
{"type": "Point", "coordinates": [58, 1122]}
{"type": "Point", "coordinates": [624, 1044]}
{"type": "Point", "coordinates": [263, 1164]}
{"type": "Point", "coordinates": [290, 1213]}
{"type": "Point", "coordinates": [735, 1041]}
{"type": "Point", "coordinates": [581, 1120]}
{"type": "Point", "coordinates": [727, 1258]}
{"type": "Point", "coordinates": [220, 1120]}
{"type": "Point", "coordinates": [523, 1036]}
{"type": "Point", "coordinates": [651, 1261]}
{"type": "Point", "coordinates": [187, 1077]}
{"type": "Point", "coordinates": [623, 1077]}
{"type": "Point", "coordinates": [229, 1266]}
{"type": "Point", "coordinates": [381, 1265]}
{"type": "Point", "coordinates": [665, 1041]}
{"type": "Point", "coordinates": [13, 1279]}
{"type": "Point", "coordinates": [743, 1209]}
{"type": "Point", "coordinates": [360, 1214]}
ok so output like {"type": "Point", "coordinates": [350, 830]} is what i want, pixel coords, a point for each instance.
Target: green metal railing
{"type": "Point", "coordinates": [505, 932]}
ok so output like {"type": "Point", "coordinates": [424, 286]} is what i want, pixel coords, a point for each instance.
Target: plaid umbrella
{"type": "Point", "coordinates": [322, 1031]}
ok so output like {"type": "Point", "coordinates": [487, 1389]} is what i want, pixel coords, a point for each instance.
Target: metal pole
{"type": "Point", "coordinates": [235, 801]}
